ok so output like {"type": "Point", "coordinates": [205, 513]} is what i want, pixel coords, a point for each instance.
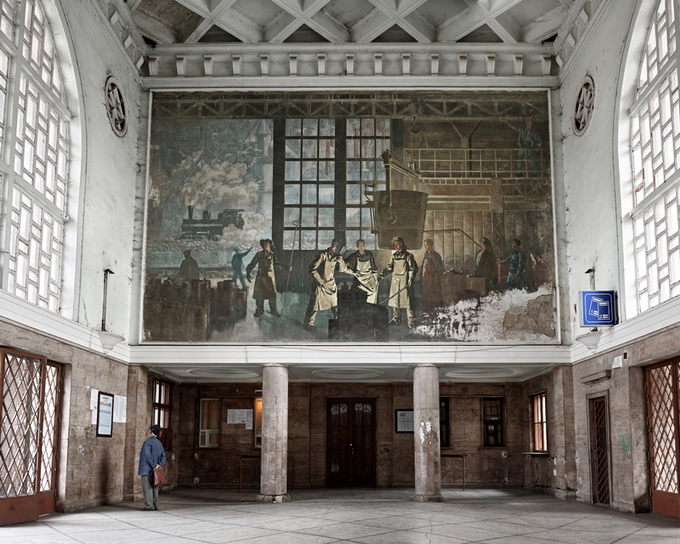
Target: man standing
{"type": "Point", "coordinates": [237, 266]}
{"type": "Point", "coordinates": [403, 268]}
{"type": "Point", "coordinates": [515, 279]}
{"type": "Point", "coordinates": [152, 455]}
{"type": "Point", "coordinates": [188, 269]}
{"type": "Point", "coordinates": [431, 279]}
{"type": "Point", "coordinates": [485, 265]}
{"type": "Point", "coordinates": [362, 264]}
{"type": "Point", "coordinates": [325, 291]}
{"type": "Point", "coordinates": [265, 281]}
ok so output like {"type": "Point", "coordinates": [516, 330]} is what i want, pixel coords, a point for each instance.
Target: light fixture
{"type": "Point", "coordinates": [591, 339]}
{"type": "Point", "coordinates": [108, 339]}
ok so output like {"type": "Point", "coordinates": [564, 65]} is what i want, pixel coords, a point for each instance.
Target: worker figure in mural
{"type": "Point", "coordinates": [529, 142]}
{"type": "Point", "coordinates": [517, 271]}
{"type": "Point", "coordinates": [324, 294]}
{"type": "Point", "coordinates": [485, 265]}
{"type": "Point", "coordinates": [264, 287]}
{"type": "Point", "coordinates": [431, 279]}
{"type": "Point", "coordinates": [188, 269]}
{"type": "Point", "coordinates": [403, 268]}
{"type": "Point", "coordinates": [237, 266]}
{"type": "Point", "coordinates": [361, 264]}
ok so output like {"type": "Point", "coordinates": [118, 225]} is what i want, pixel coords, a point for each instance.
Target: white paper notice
{"type": "Point", "coordinates": [249, 419]}
{"type": "Point", "coordinates": [120, 409]}
{"type": "Point", "coordinates": [236, 417]}
{"type": "Point", "coordinates": [94, 403]}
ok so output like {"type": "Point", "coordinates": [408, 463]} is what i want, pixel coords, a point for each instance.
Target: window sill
{"type": "Point", "coordinates": [538, 453]}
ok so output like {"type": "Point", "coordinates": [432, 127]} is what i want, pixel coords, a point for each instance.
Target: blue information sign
{"type": "Point", "coordinates": [598, 308]}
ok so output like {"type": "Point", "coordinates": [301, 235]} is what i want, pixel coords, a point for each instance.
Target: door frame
{"type": "Point", "coordinates": [374, 449]}
{"type": "Point", "coordinates": [594, 491]}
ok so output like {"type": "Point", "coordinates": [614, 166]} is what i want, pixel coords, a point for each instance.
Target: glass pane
{"type": "Point", "coordinates": [353, 217]}
{"type": "Point", "coordinates": [325, 238]}
{"type": "Point", "coordinates": [293, 127]}
{"type": "Point", "coordinates": [309, 149]}
{"type": "Point", "coordinates": [353, 128]}
{"type": "Point", "coordinates": [309, 172]}
{"type": "Point", "coordinates": [353, 149]}
{"type": "Point", "coordinates": [290, 215]}
{"type": "Point", "coordinates": [326, 149]}
{"type": "Point", "coordinates": [367, 127]}
{"type": "Point", "coordinates": [327, 194]}
{"type": "Point", "coordinates": [292, 171]}
{"type": "Point", "coordinates": [309, 217]}
{"type": "Point", "coordinates": [291, 194]}
{"type": "Point", "coordinates": [353, 171]}
{"type": "Point", "coordinates": [292, 149]}
{"type": "Point", "coordinates": [326, 127]}
{"type": "Point", "coordinates": [310, 127]}
{"type": "Point", "coordinates": [326, 171]}
{"type": "Point", "coordinates": [353, 193]}
{"type": "Point", "coordinates": [308, 239]}
{"type": "Point", "coordinates": [309, 194]}
{"type": "Point", "coordinates": [326, 217]}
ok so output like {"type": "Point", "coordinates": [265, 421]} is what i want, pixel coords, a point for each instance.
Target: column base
{"type": "Point", "coordinates": [273, 498]}
{"type": "Point", "coordinates": [428, 498]}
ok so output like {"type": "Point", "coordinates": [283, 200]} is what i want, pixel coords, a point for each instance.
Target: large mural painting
{"type": "Point", "coordinates": [350, 217]}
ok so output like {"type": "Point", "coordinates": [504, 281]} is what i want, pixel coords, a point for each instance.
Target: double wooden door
{"type": "Point", "coordinates": [29, 388]}
{"type": "Point", "coordinates": [351, 443]}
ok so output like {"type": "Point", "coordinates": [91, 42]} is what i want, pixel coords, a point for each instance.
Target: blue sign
{"type": "Point", "coordinates": [598, 308]}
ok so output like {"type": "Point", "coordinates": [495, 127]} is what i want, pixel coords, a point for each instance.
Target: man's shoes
{"type": "Point", "coordinates": [395, 322]}
{"type": "Point", "coordinates": [145, 509]}
{"type": "Point", "coordinates": [258, 313]}
{"type": "Point", "coordinates": [275, 313]}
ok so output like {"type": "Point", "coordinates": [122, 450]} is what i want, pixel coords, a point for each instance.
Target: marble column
{"type": "Point", "coordinates": [274, 464]}
{"type": "Point", "coordinates": [428, 476]}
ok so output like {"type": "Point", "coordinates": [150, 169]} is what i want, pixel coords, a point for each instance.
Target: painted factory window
{"type": "Point", "coordinates": [362, 217]}
{"type": "Point", "coordinates": [162, 410]}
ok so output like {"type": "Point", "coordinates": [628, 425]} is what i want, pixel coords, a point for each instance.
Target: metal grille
{"type": "Point", "coordinates": [49, 429]}
{"type": "Point", "coordinates": [601, 451]}
{"type": "Point", "coordinates": [20, 425]}
{"type": "Point", "coordinates": [663, 429]}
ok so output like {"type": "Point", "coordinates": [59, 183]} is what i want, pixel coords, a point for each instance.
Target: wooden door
{"type": "Point", "coordinates": [351, 443]}
{"type": "Point", "coordinates": [599, 448]}
{"type": "Point", "coordinates": [662, 414]}
{"type": "Point", "coordinates": [28, 435]}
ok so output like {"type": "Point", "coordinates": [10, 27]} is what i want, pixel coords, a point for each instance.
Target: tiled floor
{"type": "Point", "coordinates": [374, 516]}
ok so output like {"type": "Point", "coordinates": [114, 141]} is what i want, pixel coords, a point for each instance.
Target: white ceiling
{"type": "Point", "coordinates": [164, 22]}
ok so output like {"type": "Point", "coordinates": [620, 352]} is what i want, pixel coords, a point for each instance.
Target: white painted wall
{"type": "Point", "coordinates": [108, 169]}
{"type": "Point", "coordinates": [591, 205]}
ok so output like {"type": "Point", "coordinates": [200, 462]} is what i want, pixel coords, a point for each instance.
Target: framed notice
{"type": "Point", "coordinates": [404, 421]}
{"type": "Point", "coordinates": [105, 414]}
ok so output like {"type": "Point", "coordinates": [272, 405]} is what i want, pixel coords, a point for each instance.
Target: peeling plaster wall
{"type": "Point", "coordinates": [109, 166]}
{"type": "Point", "coordinates": [591, 206]}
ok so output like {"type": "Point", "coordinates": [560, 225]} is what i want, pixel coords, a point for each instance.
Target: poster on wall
{"type": "Point", "coordinates": [350, 217]}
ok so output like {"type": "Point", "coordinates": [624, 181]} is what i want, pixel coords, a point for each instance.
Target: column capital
{"type": "Point", "coordinates": [281, 365]}
{"type": "Point", "coordinates": [424, 365]}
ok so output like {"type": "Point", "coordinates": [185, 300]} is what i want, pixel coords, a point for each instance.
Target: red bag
{"type": "Point", "coordinates": [158, 476]}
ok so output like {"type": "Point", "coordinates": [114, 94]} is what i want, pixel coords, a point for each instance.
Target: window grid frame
{"type": "Point", "coordinates": [655, 156]}
{"type": "Point", "coordinates": [539, 423]}
{"type": "Point", "coordinates": [318, 237]}
{"type": "Point", "coordinates": [162, 411]}
{"type": "Point", "coordinates": [37, 152]}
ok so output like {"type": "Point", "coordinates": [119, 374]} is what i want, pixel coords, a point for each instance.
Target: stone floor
{"type": "Point", "coordinates": [372, 516]}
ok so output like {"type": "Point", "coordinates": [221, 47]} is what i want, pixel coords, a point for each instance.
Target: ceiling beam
{"type": "Point", "coordinates": [545, 26]}
{"type": "Point", "coordinates": [460, 25]}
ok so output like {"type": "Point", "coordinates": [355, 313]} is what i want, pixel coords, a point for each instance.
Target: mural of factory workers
{"type": "Point", "coordinates": [408, 217]}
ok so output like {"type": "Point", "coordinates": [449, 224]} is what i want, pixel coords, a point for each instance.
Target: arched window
{"type": "Point", "coordinates": [655, 149]}
{"type": "Point", "coordinates": [34, 155]}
